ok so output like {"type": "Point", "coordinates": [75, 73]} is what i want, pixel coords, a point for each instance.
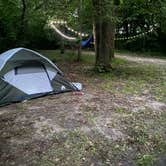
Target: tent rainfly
{"type": "Point", "coordinates": [26, 74]}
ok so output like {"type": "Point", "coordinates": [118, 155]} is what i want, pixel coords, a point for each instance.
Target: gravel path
{"type": "Point", "coordinates": [142, 59]}
{"type": "Point", "coordinates": [136, 58]}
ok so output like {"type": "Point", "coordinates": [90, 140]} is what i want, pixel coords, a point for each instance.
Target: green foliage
{"type": "Point", "coordinates": [146, 160]}
{"type": "Point", "coordinates": [23, 28]}
{"type": "Point", "coordinates": [120, 110]}
{"type": "Point", "coordinates": [140, 15]}
{"type": "Point", "coordinates": [80, 15]}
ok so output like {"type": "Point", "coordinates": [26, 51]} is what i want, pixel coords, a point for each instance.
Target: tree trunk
{"type": "Point", "coordinates": [21, 32]}
{"type": "Point", "coordinates": [79, 52]}
{"type": "Point", "coordinates": [62, 46]}
{"type": "Point", "coordinates": [23, 17]}
{"type": "Point", "coordinates": [80, 20]}
{"type": "Point", "coordinates": [104, 36]}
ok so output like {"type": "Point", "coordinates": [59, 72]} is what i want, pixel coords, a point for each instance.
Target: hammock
{"type": "Point", "coordinates": [83, 42]}
{"type": "Point", "coordinates": [87, 42]}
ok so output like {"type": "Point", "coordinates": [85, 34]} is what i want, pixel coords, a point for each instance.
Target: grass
{"type": "Point", "coordinates": [132, 78]}
{"type": "Point", "coordinates": [136, 79]}
{"type": "Point", "coordinates": [146, 134]}
{"type": "Point", "coordinates": [146, 160]}
{"type": "Point", "coordinates": [100, 127]}
{"type": "Point", "coordinates": [68, 56]}
{"type": "Point", "coordinates": [146, 54]}
{"type": "Point", "coordinates": [71, 147]}
{"type": "Point", "coordinates": [120, 110]}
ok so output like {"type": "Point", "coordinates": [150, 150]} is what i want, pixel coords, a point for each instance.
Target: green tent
{"type": "Point", "coordinates": [26, 74]}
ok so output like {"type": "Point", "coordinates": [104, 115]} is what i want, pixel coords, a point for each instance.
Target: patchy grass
{"type": "Point", "coordinates": [146, 160]}
{"type": "Point", "coordinates": [119, 120]}
{"type": "Point", "coordinates": [144, 54]}
{"type": "Point", "coordinates": [70, 148]}
{"type": "Point", "coordinates": [137, 79]}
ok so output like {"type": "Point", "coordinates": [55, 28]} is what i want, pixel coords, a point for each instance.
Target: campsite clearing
{"type": "Point", "coordinates": [118, 120]}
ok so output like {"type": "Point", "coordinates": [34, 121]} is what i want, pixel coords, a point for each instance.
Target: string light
{"type": "Point", "coordinates": [76, 32]}
{"type": "Point", "coordinates": [61, 22]}
{"type": "Point", "coordinates": [61, 34]}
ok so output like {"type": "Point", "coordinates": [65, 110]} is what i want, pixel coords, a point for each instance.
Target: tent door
{"type": "Point", "coordinates": [32, 79]}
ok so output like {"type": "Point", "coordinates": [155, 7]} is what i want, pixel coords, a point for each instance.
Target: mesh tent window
{"type": "Point", "coordinates": [29, 69]}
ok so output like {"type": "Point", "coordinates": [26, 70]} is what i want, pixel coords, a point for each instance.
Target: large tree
{"type": "Point", "coordinates": [104, 25]}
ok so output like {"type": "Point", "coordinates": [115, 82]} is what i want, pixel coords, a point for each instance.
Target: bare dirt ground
{"type": "Point", "coordinates": [119, 119]}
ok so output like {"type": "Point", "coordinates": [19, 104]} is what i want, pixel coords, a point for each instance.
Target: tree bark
{"type": "Point", "coordinates": [21, 32]}
{"type": "Point", "coordinates": [80, 20]}
{"type": "Point", "coordinates": [23, 17]}
{"type": "Point", "coordinates": [104, 36]}
{"type": "Point", "coordinates": [62, 46]}
{"type": "Point", "coordinates": [79, 52]}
